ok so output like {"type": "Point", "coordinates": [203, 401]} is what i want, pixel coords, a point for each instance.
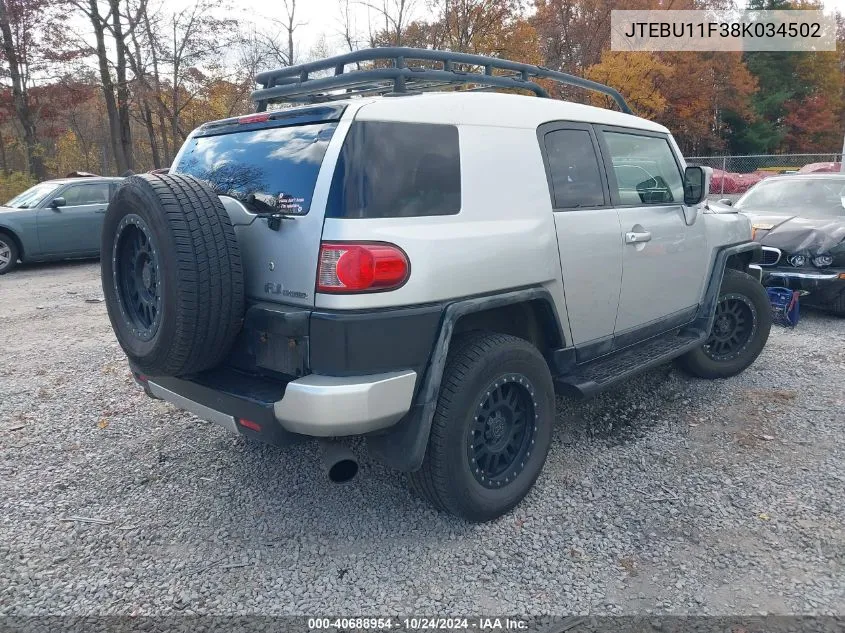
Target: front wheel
{"type": "Point", "coordinates": [740, 329]}
{"type": "Point", "coordinates": [837, 306]}
{"type": "Point", "coordinates": [492, 427]}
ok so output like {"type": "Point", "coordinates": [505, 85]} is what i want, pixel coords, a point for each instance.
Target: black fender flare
{"type": "Point", "coordinates": [403, 446]}
{"type": "Point", "coordinates": [707, 307]}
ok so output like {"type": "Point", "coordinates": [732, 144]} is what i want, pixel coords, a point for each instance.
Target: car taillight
{"type": "Point", "coordinates": [260, 117]}
{"type": "Point", "coordinates": [361, 267]}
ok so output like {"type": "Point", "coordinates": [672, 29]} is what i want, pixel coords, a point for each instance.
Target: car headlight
{"type": "Point", "coordinates": [797, 260]}
{"type": "Point", "coordinates": [821, 261]}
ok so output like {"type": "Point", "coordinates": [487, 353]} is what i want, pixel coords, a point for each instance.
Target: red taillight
{"type": "Point", "coordinates": [249, 424]}
{"type": "Point", "coordinates": [361, 267]}
{"type": "Point", "coordinates": [254, 118]}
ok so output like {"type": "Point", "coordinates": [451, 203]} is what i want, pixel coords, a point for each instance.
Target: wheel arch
{"type": "Point", "coordinates": [403, 445]}
{"type": "Point", "coordinates": [741, 260]}
{"type": "Point", "coordinates": [533, 320]}
{"type": "Point", "coordinates": [5, 230]}
{"type": "Point", "coordinates": [733, 256]}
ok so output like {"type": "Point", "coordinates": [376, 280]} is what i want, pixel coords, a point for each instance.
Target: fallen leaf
{"type": "Point", "coordinates": [103, 423]}
{"type": "Point", "coordinates": [763, 516]}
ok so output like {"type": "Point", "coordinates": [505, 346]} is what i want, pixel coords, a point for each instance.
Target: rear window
{"type": "Point", "coordinates": [397, 170]}
{"type": "Point", "coordinates": [279, 165]}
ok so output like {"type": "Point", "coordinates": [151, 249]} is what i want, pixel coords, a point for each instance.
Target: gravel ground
{"type": "Point", "coordinates": [671, 495]}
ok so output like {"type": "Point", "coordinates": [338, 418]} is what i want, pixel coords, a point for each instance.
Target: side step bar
{"type": "Point", "coordinates": [597, 375]}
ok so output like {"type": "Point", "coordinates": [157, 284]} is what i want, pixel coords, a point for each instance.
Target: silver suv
{"type": "Point", "coordinates": [424, 268]}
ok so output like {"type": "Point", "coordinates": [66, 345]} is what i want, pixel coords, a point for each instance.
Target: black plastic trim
{"type": "Point", "coordinates": [670, 322]}
{"type": "Point", "coordinates": [707, 307]}
{"type": "Point", "coordinates": [274, 340]}
{"type": "Point", "coordinates": [354, 343]}
{"type": "Point", "coordinates": [594, 349]}
{"type": "Point", "coordinates": [238, 395]}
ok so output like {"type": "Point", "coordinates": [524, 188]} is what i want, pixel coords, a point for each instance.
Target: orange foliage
{"type": "Point", "coordinates": [812, 125]}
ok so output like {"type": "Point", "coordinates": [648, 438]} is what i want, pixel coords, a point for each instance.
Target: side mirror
{"type": "Point", "coordinates": [694, 185]}
{"type": "Point", "coordinates": [55, 203]}
{"type": "Point", "coordinates": [727, 202]}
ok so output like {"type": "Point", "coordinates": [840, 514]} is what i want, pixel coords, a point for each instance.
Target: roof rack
{"type": "Point", "coordinates": [295, 83]}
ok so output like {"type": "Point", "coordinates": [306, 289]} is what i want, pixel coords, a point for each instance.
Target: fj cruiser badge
{"type": "Point", "coordinates": [272, 288]}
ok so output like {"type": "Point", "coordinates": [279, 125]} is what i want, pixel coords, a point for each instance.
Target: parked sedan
{"type": "Point", "coordinates": [800, 221]}
{"type": "Point", "coordinates": [55, 219]}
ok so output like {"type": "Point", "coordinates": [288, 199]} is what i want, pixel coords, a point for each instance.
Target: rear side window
{"type": "Point", "coordinates": [278, 165]}
{"type": "Point", "coordinates": [645, 169]}
{"type": "Point", "coordinates": [397, 170]}
{"type": "Point", "coordinates": [574, 169]}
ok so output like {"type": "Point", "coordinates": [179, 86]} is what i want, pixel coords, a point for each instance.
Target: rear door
{"type": "Point", "coordinates": [74, 229]}
{"type": "Point", "coordinates": [663, 259]}
{"type": "Point", "coordinates": [265, 164]}
{"type": "Point", "coordinates": [587, 229]}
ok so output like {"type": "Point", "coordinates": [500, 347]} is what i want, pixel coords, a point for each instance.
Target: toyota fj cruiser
{"type": "Point", "coordinates": [424, 268]}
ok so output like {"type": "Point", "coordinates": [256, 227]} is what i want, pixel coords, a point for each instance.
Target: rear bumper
{"type": "Point", "coordinates": [295, 372]}
{"type": "Point", "coordinates": [327, 406]}
{"type": "Point", "coordinates": [318, 406]}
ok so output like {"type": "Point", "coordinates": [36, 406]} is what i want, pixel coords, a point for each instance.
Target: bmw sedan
{"type": "Point", "coordinates": [800, 221]}
{"type": "Point", "coordinates": [55, 219]}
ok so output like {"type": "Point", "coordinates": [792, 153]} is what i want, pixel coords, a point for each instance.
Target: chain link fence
{"type": "Point", "coordinates": [734, 175]}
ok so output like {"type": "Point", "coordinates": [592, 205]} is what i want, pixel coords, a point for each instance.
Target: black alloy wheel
{"type": "Point", "coordinates": [137, 277]}
{"type": "Point", "coordinates": [733, 327]}
{"type": "Point", "coordinates": [503, 431]}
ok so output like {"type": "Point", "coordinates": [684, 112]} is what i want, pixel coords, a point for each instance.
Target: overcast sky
{"type": "Point", "coordinates": [323, 17]}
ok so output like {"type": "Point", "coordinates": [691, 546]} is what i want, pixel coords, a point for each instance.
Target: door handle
{"type": "Point", "coordinates": [637, 238]}
{"type": "Point", "coordinates": [100, 211]}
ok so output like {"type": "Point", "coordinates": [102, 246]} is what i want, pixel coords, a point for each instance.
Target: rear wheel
{"type": "Point", "coordinates": [740, 330]}
{"type": "Point", "coordinates": [8, 253]}
{"type": "Point", "coordinates": [491, 429]}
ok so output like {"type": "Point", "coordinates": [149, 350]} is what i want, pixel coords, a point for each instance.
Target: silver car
{"type": "Point", "coordinates": [55, 219]}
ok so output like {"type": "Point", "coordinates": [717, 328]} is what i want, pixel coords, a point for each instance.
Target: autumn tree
{"type": "Point", "coordinates": [812, 125]}
{"type": "Point", "coordinates": [110, 26]}
{"type": "Point", "coordinates": [641, 77]}
{"type": "Point", "coordinates": [23, 24]}
{"type": "Point", "coordinates": [572, 34]}
{"type": "Point", "coordinates": [391, 19]}
{"type": "Point", "coordinates": [709, 93]}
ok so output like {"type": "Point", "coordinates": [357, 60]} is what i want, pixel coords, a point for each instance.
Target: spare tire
{"type": "Point", "coordinates": [171, 273]}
